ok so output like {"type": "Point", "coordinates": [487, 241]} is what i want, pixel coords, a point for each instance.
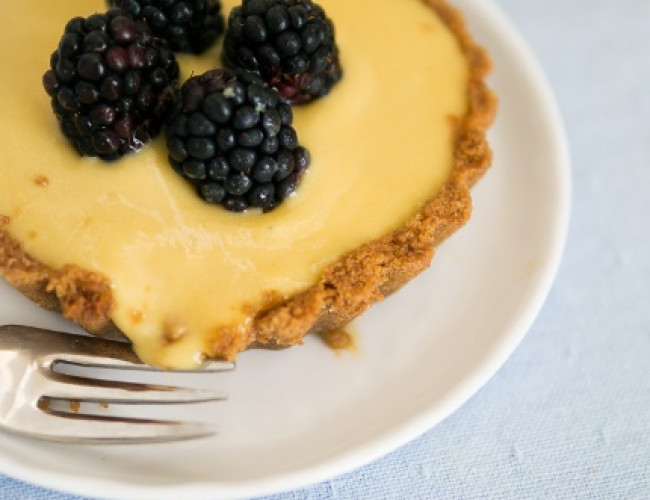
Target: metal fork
{"type": "Point", "coordinates": [29, 383]}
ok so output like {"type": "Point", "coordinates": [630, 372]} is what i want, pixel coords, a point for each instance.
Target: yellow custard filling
{"type": "Point", "coordinates": [381, 145]}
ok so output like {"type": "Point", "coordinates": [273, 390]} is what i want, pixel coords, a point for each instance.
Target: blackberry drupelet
{"type": "Point", "coordinates": [112, 84]}
{"type": "Point", "coordinates": [187, 25]}
{"type": "Point", "coordinates": [231, 137]}
{"type": "Point", "coordinates": [290, 42]}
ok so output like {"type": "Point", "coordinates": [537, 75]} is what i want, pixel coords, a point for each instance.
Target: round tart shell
{"type": "Point", "coordinates": [346, 287]}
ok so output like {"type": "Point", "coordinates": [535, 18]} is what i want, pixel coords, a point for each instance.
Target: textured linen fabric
{"type": "Point", "coordinates": [568, 416]}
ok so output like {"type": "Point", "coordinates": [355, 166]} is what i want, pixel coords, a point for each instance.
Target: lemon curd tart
{"type": "Point", "coordinates": [129, 248]}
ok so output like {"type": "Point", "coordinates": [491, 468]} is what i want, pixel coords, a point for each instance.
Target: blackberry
{"type": "Point", "coordinates": [112, 84]}
{"type": "Point", "coordinates": [187, 25]}
{"type": "Point", "coordinates": [231, 137]}
{"type": "Point", "coordinates": [290, 42]}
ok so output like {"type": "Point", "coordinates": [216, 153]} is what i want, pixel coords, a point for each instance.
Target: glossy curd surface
{"type": "Point", "coordinates": [381, 145]}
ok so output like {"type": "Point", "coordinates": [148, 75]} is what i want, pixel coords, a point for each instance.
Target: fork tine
{"type": "Point", "coordinates": [61, 386]}
{"type": "Point", "coordinates": [100, 361]}
{"type": "Point", "coordinates": [78, 428]}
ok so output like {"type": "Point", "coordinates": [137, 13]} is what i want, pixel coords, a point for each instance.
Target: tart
{"type": "Point", "coordinates": [128, 249]}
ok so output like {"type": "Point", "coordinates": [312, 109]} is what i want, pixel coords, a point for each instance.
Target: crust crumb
{"type": "Point", "coordinates": [173, 332]}
{"type": "Point", "coordinates": [41, 180]}
{"type": "Point", "coordinates": [338, 340]}
{"type": "Point", "coordinates": [136, 316]}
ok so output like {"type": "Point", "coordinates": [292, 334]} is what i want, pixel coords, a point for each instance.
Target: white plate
{"type": "Point", "coordinates": [303, 415]}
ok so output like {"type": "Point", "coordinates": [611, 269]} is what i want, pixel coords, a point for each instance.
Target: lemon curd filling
{"type": "Point", "coordinates": [381, 145]}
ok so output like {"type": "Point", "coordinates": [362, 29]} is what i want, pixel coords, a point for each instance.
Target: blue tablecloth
{"type": "Point", "coordinates": [568, 416]}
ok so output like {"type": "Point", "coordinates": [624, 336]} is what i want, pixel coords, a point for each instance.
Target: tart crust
{"type": "Point", "coordinates": [346, 287]}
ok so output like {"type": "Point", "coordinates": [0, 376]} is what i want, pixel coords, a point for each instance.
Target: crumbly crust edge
{"type": "Point", "coordinates": [346, 287]}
